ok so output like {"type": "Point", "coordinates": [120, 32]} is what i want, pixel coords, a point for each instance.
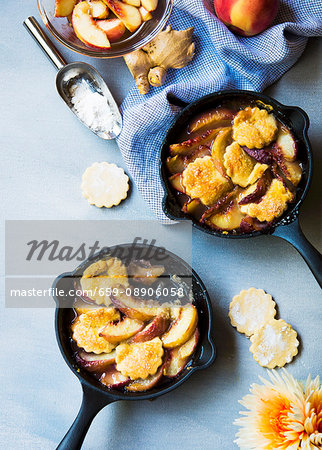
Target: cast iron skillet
{"type": "Point", "coordinates": [287, 227]}
{"type": "Point", "coordinates": [95, 395]}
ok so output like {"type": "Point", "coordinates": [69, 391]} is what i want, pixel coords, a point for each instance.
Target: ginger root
{"type": "Point", "coordinates": [170, 49]}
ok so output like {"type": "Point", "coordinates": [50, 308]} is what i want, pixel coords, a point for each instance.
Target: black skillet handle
{"type": "Point", "coordinates": [92, 403]}
{"type": "Point", "coordinates": [294, 235]}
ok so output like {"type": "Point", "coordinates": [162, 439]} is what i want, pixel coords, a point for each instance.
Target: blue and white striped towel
{"type": "Point", "coordinates": [222, 61]}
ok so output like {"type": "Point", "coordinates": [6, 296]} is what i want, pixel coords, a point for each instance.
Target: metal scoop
{"type": "Point", "coordinates": [74, 73]}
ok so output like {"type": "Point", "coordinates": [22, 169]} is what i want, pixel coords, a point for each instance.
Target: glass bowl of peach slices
{"type": "Point", "coordinates": [104, 28]}
{"type": "Point", "coordinates": [123, 338]}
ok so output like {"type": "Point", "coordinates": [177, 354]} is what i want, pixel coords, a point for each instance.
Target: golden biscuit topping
{"type": "Point", "coordinates": [139, 360]}
{"type": "Point", "coordinates": [241, 168]}
{"type": "Point", "coordinates": [202, 180]}
{"type": "Point", "coordinates": [254, 127]}
{"type": "Point", "coordinates": [86, 329]}
{"type": "Point", "coordinates": [272, 204]}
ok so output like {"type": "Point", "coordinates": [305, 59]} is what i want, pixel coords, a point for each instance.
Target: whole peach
{"type": "Point", "coordinates": [246, 17]}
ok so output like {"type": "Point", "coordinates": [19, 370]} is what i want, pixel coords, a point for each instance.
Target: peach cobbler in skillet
{"type": "Point", "coordinates": [127, 342]}
{"type": "Point", "coordinates": [238, 170]}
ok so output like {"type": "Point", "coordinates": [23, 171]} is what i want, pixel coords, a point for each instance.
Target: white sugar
{"type": "Point", "coordinates": [272, 343]}
{"type": "Point", "coordinates": [91, 107]}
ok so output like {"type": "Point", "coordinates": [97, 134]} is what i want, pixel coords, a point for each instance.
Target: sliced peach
{"type": "Point", "coordinates": [287, 144]}
{"type": "Point", "coordinates": [115, 332]}
{"type": "Point", "coordinates": [194, 208]}
{"type": "Point", "coordinates": [175, 364]}
{"type": "Point", "coordinates": [293, 172]}
{"type": "Point", "coordinates": [260, 189]}
{"type": "Point", "coordinates": [99, 9]}
{"type": "Point", "coordinates": [155, 329]}
{"type": "Point", "coordinates": [261, 155]}
{"type": "Point", "coordinates": [189, 347]}
{"type": "Point", "coordinates": [149, 5]}
{"type": "Point", "coordinates": [218, 149]}
{"type": "Point", "coordinates": [85, 27]}
{"type": "Point", "coordinates": [113, 379]}
{"type": "Point", "coordinates": [182, 328]}
{"type": "Point", "coordinates": [137, 308]}
{"type": "Point", "coordinates": [176, 182]}
{"type": "Point", "coordinates": [189, 146]}
{"type": "Point", "coordinates": [229, 219]}
{"type": "Point", "coordinates": [136, 3]}
{"type": "Point", "coordinates": [215, 118]}
{"type": "Point", "coordinates": [145, 15]}
{"type": "Point", "coordinates": [176, 164]}
{"type": "Point", "coordinates": [93, 362]}
{"type": "Point", "coordinates": [83, 305]}
{"type": "Point", "coordinates": [114, 28]}
{"type": "Point", "coordinates": [129, 14]}
{"type": "Point", "coordinates": [64, 8]}
{"type": "Point", "coordinates": [141, 385]}
{"type": "Point", "coordinates": [144, 272]}
{"type": "Point", "coordinates": [175, 311]}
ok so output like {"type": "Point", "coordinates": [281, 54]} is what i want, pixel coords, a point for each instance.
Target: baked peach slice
{"type": "Point", "coordinates": [229, 219]}
{"type": "Point", "coordinates": [113, 379]}
{"type": "Point", "coordinates": [115, 332]}
{"type": "Point", "coordinates": [145, 15]}
{"type": "Point", "coordinates": [155, 329]}
{"type": "Point", "coordinates": [218, 149]}
{"type": "Point", "coordinates": [136, 3]}
{"type": "Point", "coordinates": [95, 363]}
{"type": "Point", "coordinates": [144, 385]}
{"type": "Point", "coordinates": [86, 29]}
{"type": "Point", "coordinates": [144, 272]}
{"type": "Point", "coordinates": [174, 364]}
{"type": "Point", "coordinates": [99, 9]}
{"type": "Point", "coordinates": [176, 182]}
{"type": "Point", "coordinates": [114, 28]}
{"type": "Point", "coordinates": [129, 14]}
{"type": "Point", "coordinates": [138, 309]}
{"type": "Point", "coordinates": [182, 328]}
{"type": "Point", "coordinates": [214, 118]}
{"type": "Point", "coordinates": [189, 347]}
{"type": "Point", "coordinates": [64, 8]}
{"type": "Point", "coordinates": [188, 147]}
{"type": "Point", "coordinates": [149, 5]}
{"type": "Point", "coordinates": [287, 144]}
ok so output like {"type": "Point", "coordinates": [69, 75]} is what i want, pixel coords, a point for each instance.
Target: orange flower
{"type": "Point", "coordinates": [281, 415]}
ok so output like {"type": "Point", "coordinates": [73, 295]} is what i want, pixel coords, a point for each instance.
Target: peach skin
{"type": "Point", "coordinates": [246, 17]}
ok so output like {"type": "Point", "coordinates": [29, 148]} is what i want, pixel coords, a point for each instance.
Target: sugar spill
{"type": "Point", "coordinates": [91, 107]}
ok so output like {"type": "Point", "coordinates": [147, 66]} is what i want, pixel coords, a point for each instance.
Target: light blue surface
{"type": "Point", "coordinates": [44, 153]}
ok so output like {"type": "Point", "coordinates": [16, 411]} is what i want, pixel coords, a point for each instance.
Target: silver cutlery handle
{"type": "Point", "coordinates": [44, 42]}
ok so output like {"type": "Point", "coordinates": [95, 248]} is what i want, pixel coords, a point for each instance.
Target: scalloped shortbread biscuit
{"type": "Point", "coordinates": [272, 204]}
{"type": "Point", "coordinates": [274, 344]}
{"type": "Point", "coordinates": [254, 127]}
{"type": "Point", "coordinates": [104, 184]}
{"type": "Point", "coordinates": [242, 169]}
{"type": "Point", "coordinates": [202, 180]}
{"type": "Point", "coordinates": [86, 330]}
{"type": "Point", "coordinates": [250, 309]}
{"type": "Point", "coordinates": [139, 360]}
{"type": "Point", "coordinates": [102, 276]}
